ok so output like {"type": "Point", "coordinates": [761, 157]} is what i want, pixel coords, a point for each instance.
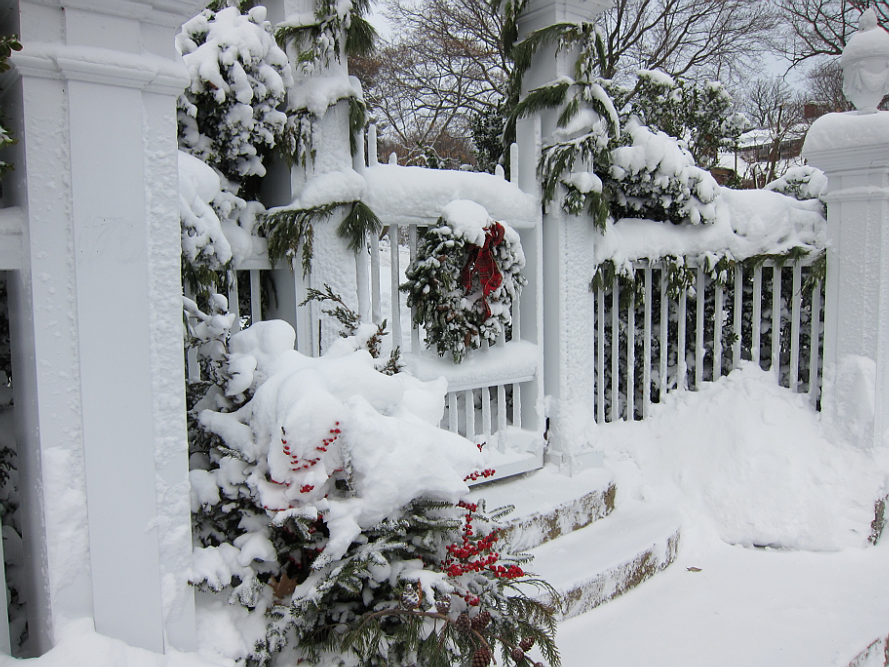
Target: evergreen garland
{"type": "Point", "coordinates": [457, 318]}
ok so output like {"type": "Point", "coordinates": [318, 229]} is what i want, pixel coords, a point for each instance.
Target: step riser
{"type": "Point", "coordinates": [616, 581]}
{"type": "Point", "coordinates": [536, 529]}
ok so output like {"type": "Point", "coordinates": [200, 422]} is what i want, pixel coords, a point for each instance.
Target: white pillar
{"type": "Point", "coordinates": [97, 319]}
{"type": "Point", "coordinates": [568, 245]}
{"type": "Point", "coordinates": [853, 149]}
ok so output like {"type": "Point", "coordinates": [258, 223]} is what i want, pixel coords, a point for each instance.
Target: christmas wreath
{"type": "Point", "coordinates": [464, 279]}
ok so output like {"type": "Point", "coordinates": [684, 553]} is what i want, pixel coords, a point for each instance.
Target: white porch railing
{"type": "Point", "coordinates": [492, 396]}
{"type": "Point", "coordinates": [770, 314]}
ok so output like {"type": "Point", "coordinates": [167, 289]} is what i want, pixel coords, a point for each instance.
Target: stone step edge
{"type": "Point", "coordinates": [875, 655]}
{"type": "Point", "coordinates": [533, 530]}
{"type": "Point", "coordinates": [609, 558]}
{"type": "Point", "coordinates": [615, 581]}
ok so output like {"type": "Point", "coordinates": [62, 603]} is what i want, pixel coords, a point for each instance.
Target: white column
{"type": "Point", "coordinates": [853, 149]}
{"type": "Point", "coordinates": [98, 321]}
{"type": "Point", "coordinates": [568, 304]}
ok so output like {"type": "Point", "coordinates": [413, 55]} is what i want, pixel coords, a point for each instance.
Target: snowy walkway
{"type": "Point", "coordinates": [746, 607]}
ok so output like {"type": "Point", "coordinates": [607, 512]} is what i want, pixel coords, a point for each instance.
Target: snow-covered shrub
{"type": "Point", "coordinates": [464, 279]}
{"type": "Point", "coordinates": [699, 116]}
{"type": "Point", "coordinates": [228, 115]}
{"type": "Point", "coordinates": [655, 177]}
{"type": "Point", "coordinates": [326, 501]}
{"type": "Point", "coordinates": [801, 183]}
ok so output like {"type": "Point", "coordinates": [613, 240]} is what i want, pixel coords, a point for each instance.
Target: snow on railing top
{"type": "Point", "coordinates": [416, 196]}
{"type": "Point", "coordinates": [748, 223]}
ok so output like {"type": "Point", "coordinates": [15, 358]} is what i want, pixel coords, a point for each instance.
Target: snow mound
{"type": "Point", "coordinates": [385, 429]}
{"type": "Point", "coordinates": [752, 458]}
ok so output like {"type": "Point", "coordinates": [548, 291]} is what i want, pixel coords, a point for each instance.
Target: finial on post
{"type": "Point", "coordinates": [865, 63]}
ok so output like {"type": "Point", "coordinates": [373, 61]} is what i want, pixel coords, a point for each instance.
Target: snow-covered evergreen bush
{"type": "Point", "coordinates": [801, 183]}
{"type": "Point", "coordinates": [654, 177]}
{"type": "Point", "coordinates": [228, 116]}
{"type": "Point", "coordinates": [464, 279]}
{"type": "Point", "coordinates": [326, 501]}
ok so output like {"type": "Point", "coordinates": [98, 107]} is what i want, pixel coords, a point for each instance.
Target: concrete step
{"type": "Point", "coordinates": [593, 565]}
{"type": "Point", "coordinates": [549, 504]}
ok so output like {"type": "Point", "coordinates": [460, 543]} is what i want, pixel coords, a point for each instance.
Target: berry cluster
{"type": "Point", "coordinates": [487, 472]}
{"type": "Point", "coordinates": [295, 464]}
{"type": "Point", "coordinates": [476, 554]}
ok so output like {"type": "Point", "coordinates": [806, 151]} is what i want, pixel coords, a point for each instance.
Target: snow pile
{"type": "Point", "coordinates": [312, 421]}
{"type": "Point", "coordinates": [752, 458]}
{"type": "Point", "coordinates": [80, 646]}
{"type": "Point", "coordinates": [202, 236]}
{"type": "Point", "coordinates": [317, 93]}
{"type": "Point", "coordinates": [747, 223]}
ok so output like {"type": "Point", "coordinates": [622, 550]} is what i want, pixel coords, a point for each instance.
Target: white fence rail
{"type": "Point", "coordinates": [649, 341]}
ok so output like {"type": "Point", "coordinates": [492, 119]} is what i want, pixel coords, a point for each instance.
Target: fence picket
{"type": "Point", "coordinates": [415, 331]}
{"type": "Point", "coordinates": [501, 416]}
{"type": "Point", "coordinates": [615, 354]}
{"type": "Point", "coordinates": [718, 314]}
{"type": "Point", "coordinates": [631, 358]}
{"type": "Point", "coordinates": [665, 339]}
{"type": "Point", "coordinates": [757, 316]}
{"type": "Point", "coordinates": [255, 296]}
{"type": "Point", "coordinates": [814, 387]}
{"type": "Point", "coordinates": [469, 406]}
{"type": "Point", "coordinates": [738, 319]}
{"type": "Point", "coordinates": [375, 273]}
{"type": "Point", "coordinates": [394, 271]}
{"type": "Point", "coordinates": [600, 356]}
{"type": "Point", "coordinates": [681, 363]}
{"type": "Point", "coordinates": [517, 406]}
{"type": "Point", "coordinates": [776, 321]}
{"type": "Point", "coordinates": [646, 366]}
{"type": "Point", "coordinates": [793, 381]}
{"type": "Point", "coordinates": [453, 415]}
{"type": "Point", "coordinates": [486, 411]}
{"type": "Point", "coordinates": [700, 297]}
{"type": "Point", "coordinates": [234, 305]}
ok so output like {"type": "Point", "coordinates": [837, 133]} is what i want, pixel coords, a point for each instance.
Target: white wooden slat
{"type": "Point", "coordinates": [600, 356]}
{"type": "Point", "coordinates": [700, 297]}
{"type": "Point", "coordinates": [646, 332]}
{"type": "Point", "coordinates": [756, 342]}
{"type": "Point", "coordinates": [306, 316]}
{"type": "Point", "coordinates": [375, 278]}
{"type": "Point", "coordinates": [814, 389]}
{"type": "Point", "coordinates": [255, 296]}
{"type": "Point", "coordinates": [776, 321]}
{"type": "Point", "coordinates": [665, 331]}
{"type": "Point", "coordinates": [234, 307]}
{"type": "Point", "coordinates": [517, 406]}
{"type": "Point", "coordinates": [517, 319]}
{"type": "Point", "coordinates": [501, 416]}
{"type": "Point", "coordinates": [796, 296]}
{"type": "Point", "coordinates": [682, 365]}
{"type": "Point", "coordinates": [469, 405]}
{"type": "Point", "coordinates": [415, 331]}
{"type": "Point", "coordinates": [738, 316]}
{"type": "Point", "coordinates": [395, 307]}
{"type": "Point", "coordinates": [453, 415]}
{"type": "Point", "coordinates": [631, 359]}
{"type": "Point", "coordinates": [486, 411]}
{"type": "Point", "coordinates": [362, 280]}
{"type": "Point", "coordinates": [615, 356]}
{"type": "Point", "coordinates": [719, 315]}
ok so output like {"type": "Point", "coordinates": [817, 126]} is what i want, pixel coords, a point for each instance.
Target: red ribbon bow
{"type": "Point", "coordinates": [481, 263]}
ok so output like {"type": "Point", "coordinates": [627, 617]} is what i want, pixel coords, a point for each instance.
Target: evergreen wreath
{"type": "Point", "coordinates": [464, 279]}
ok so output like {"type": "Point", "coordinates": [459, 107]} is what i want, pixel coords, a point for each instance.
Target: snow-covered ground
{"type": "Point", "coordinates": [745, 461]}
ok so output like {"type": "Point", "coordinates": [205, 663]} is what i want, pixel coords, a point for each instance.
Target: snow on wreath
{"type": "Point", "coordinates": [464, 279]}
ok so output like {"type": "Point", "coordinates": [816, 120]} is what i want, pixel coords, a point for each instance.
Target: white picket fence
{"type": "Point", "coordinates": [770, 314]}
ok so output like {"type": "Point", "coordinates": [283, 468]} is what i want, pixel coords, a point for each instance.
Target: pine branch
{"type": "Point", "coordinates": [358, 225]}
